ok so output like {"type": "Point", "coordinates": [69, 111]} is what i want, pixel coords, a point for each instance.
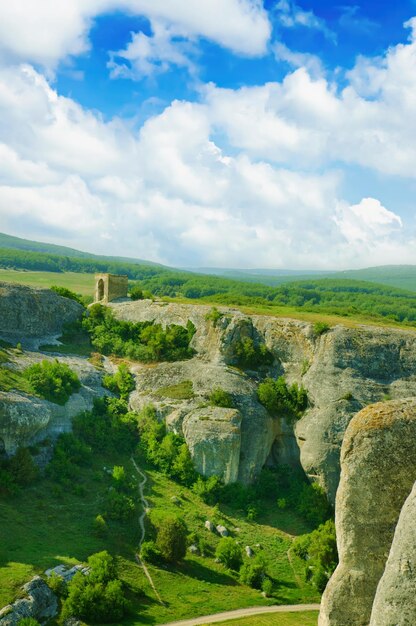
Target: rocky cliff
{"type": "Point", "coordinates": [27, 313]}
{"type": "Point", "coordinates": [26, 419]}
{"type": "Point", "coordinates": [378, 463]}
{"type": "Point", "coordinates": [395, 600]}
{"type": "Point", "coordinates": [344, 370]}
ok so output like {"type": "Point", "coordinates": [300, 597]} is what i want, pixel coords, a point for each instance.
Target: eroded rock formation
{"type": "Point", "coordinates": [395, 600]}
{"type": "Point", "coordinates": [378, 462]}
{"type": "Point", "coordinates": [343, 370]}
{"type": "Point", "coordinates": [27, 313]}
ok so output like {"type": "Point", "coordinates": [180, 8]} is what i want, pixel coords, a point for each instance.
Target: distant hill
{"type": "Point", "coordinates": [402, 276]}
{"type": "Point", "coordinates": [16, 243]}
{"type": "Point", "coordinates": [271, 277]}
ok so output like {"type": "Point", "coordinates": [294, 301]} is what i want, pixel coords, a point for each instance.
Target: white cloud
{"type": "Point", "coordinates": [48, 31]}
{"type": "Point", "coordinates": [298, 59]}
{"type": "Point", "coordinates": [291, 16]}
{"type": "Point", "coordinates": [147, 55]}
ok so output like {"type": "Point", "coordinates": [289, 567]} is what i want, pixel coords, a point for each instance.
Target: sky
{"type": "Point", "coordinates": [212, 133]}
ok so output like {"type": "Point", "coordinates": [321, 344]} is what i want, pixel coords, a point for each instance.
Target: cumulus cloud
{"type": "Point", "coordinates": [168, 192]}
{"type": "Point", "coordinates": [49, 31]}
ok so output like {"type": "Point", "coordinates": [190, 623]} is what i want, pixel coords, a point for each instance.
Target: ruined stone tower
{"type": "Point", "coordinates": [108, 287]}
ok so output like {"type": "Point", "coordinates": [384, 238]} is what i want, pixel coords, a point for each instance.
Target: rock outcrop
{"type": "Point", "coordinates": [343, 370]}
{"type": "Point", "coordinates": [27, 313]}
{"type": "Point", "coordinates": [41, 604]}
{"type": "Point", "coordinates": [27, 419]}
{"type": "Point", "coordinates": [378, 462]}
{"type": "Point", "coordinates": [395, 601]}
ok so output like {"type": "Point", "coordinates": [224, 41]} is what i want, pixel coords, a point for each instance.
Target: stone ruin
{"type": "Point", "coordinates": [109, 287]}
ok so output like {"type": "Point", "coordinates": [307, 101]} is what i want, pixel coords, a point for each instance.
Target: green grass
{"type": "Point", "coordinates": [11, 379]}
{"type": "Point", "coordinates": [80, 283]}
{"type": "Point", "coordinates": [304, 618]}
{"type": "Point", "coordinates": [181, 391]}
{"type": "Point", "coordinates": [84, 284]}
{"type": "Point", "coordinates": [46, 525]}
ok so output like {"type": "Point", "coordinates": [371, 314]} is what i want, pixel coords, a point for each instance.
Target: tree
{"type": "Point", "coordinates": [52, 380]}
{"type": "Point", "coordinates": [253, 572]}
{"type": "Point", "coordinates": [171, 538]}
{"type": "Point", "coordinates": [228, 552]}
{"type": "Point", "coordinates": [23, 468]}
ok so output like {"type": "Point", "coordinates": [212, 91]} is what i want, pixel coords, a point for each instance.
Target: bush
{"type": "Point", "coordinates": [214, 316]}
{"type": "Point", "coordinates": [98, 597]}
{"type": "Point", "coordinates": [22, 467]}
{"type": "Point", "coordinates": [313, 504]}
{"type": "Point", "coordinates": [122, 382]}
{"type": "Point", "coordinates": [171, 538]}
{"type": "Point", "coordinates": [319, 328]}
{"type": "Point", "coordinates": [69, 455]}
{"type": "Point", "coordinates": [208, 489]}
{"type": "Point", "coordinates": [67, 293]}
{"type": "Point", "coordinates": [57, 584]}
{"type": "Point", "coordinates": [252, 573]}
{"type": "Point", "coordinates": [220, 397]}
{"type": "Point", "coordinates": [228, 552]}
{"type": "Point", "coordinates": [319, 551]}
{"type": "Point", "coordinates": [281, 400]}
{"type": "Point", "coordinates": [267, 587]}
{"type": "Point", "coordinates": [150, 552]}
{"type": "Point", "coordinates": [28, 621]}
{"type": "Point", "coordinates": [119, 506]}
{"type": "Point", "coordinates": [52, 380]}
{"type": "Point", "coordinates": [252, 355]}
{"type": "Point", "coordinates": [136, 293]}
{"type": "Point", "coordinates": [100, 526]}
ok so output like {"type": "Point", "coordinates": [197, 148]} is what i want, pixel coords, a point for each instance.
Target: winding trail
{"type": "Point", "coordinates": [145, 505]}
{"type": "Point", "coordinates": [256, 610]}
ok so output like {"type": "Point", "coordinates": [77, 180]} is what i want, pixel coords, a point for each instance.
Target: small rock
{"type": "Point", "coordinates": [249, 551]}
{"type": "Point", "coordinates": [175, 500]}
{"type": "Point", "coordinates": [193, 549]}
{"type": "Point", "coordinates": [209, 526]}
{"type": "Point", "coordinates": [221, 530]}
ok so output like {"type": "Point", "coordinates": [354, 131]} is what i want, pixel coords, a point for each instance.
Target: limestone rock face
{"type": "Point", "coordinates": [233, 443]}
{"type": "Point", "coordinates": [378, 461]}
{"type": "Point", "coordinates": [395, 601]}
{"type": "Point", "coordinates": [343, 370]}
{"type": "Point", "coordinates": [27, 419]}
{"type": "Point", "coordinates": [213, 435]}
{"type": "Point", "coordinates": [27, 312]}
{"type": "Point", "coordinates": [40, 604]}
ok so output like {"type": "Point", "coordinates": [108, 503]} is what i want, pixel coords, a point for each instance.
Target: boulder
{"type": "Point", "coordinates": [41, 604]}
{"type": "Point", "coordinates": [221, 530]}
{"type": "Point", "coordinates": [209, 526]}
{"type": "Point", "coordinates": [29, 313]}
{"type": "Point", "coordinates": [378, 462]}
{"type": "Point", "coordinates": [395, 600]}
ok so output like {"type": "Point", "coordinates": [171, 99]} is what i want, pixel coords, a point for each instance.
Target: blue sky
{"type": "Point", "coordinates": [211, 132]}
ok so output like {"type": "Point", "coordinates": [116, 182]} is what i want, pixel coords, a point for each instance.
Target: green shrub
{"type": "Point", "coordinates": [98, 597]}
{"type": "Point", "coordinates": [136, 293]}
{"type": "Point", "coordinates": [214, 316]}
{"type": "Point", "coordinates": [267, 586]}
{"type": "Point", "coordinates": [319, 328]}
{"type": "Point", "coordinates": [313, 504]}
{"type": "Point", "coordinates": [57, 584]}
{"type": "Point", "coordinates": [171, 538]}
{"type": "Point", "coordinates": [252, 355]}
{"type": "Point", "coordinates": [208, 489]}
{"type": "Point", "coordinates": [220, 397]}
{"type": "Point", "coordinates": [52, 380]}
{"type": "Point", "coordinates": [67, 293]}
{"type": "Point", "coordinates": [122, 382]}
{"type": "Point", "coordinates": [23, 468]}
{"type": "Point", "coordinates": [100, 526]}
{"type": "Point", "coordinates": [281, 400]}
{"type": "Point", "coordinates": [319, 551]}
{"type": "Point", "coordinates": [150, 553]}
{"type": "Point", "coordinates": [252, 513]}
{"type": "Point", "coordinates": [140, 341]}
{"type": "Point", "coordinates": [28, 621]}
{"type": "Point", "coordinates": [119, 506]}
{"type": "Point", "coordinates": [252, 573]}
{"type": "Point", "coordinates": [228, 553]}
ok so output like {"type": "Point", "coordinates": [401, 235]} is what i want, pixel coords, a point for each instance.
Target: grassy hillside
{"type": "Point", "coordinates": [402, 276]}
{"type": "Point", "coordinates": [305, 618]}
{"type": "Point", "coordinates": [16, 243]}
{"type": "Point", "coordinates": [59, 529]}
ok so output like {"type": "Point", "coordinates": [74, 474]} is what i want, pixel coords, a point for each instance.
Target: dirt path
{"type": "Point", "coordinates": [257, 610]}
{"type": "Point", "coordinates": [145, 505]}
